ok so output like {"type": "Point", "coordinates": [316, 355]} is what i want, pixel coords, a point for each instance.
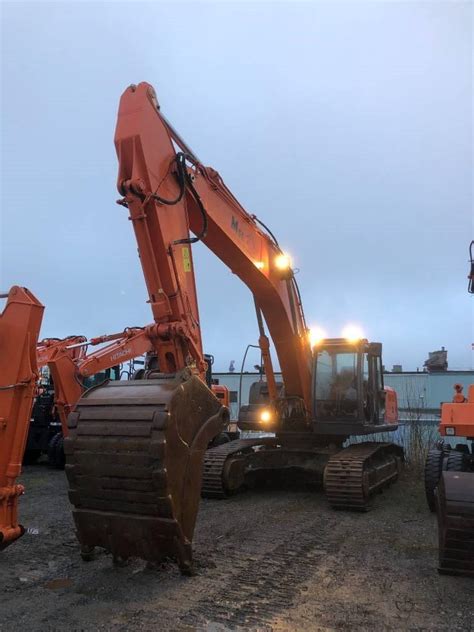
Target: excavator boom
{"type": "Point", "coordinates": [169, 193]}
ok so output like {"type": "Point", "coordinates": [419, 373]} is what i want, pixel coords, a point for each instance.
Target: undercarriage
{"type": "Point", "coordinates": [350, 476]}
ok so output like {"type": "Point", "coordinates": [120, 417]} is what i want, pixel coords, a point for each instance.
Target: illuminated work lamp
{"type": "Point", "coordinates": [283, 265]}
{"type": "Point", "coordinates": [265, 416]}
{"type": "Point", "coordinates": [316, 336]}
{"type": "Point", "coordinates": [352, 333]}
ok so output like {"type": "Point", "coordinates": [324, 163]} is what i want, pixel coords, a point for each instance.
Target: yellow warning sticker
{"type": "Point", "coordinates": [186, 259]}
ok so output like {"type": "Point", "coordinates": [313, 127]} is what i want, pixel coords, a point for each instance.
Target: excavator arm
{"type": "Point", "coordinates": [20, 324]}
{"type": "Point", "coordinates": [47, 348]}
{"type": "Point", "coordinates": [51, 350]}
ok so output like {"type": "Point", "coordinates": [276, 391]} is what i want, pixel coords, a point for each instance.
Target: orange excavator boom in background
{"type": "Point", "coordinates": [70, 364]}
{"type": "Point", "coordinates": [135, 450]}
{"type": "Point", "coordinates": [75, 371]}
{"type": "Point", "coordinates": [20, 324]}
{"type": "Point", "coordinates": [46, 428]}
{"type": "Point", "coordinates": [47, 348]}
{"type": "Point", "coordinates": [71, 371]}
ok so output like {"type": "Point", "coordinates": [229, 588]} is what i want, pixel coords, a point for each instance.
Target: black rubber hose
{"type": "Point", "coordinates": [197, 198]}
{"type": "Point", "coordinates": [184, 179]}
{"type": "Point", "coordinates": [259, 221]}
{"type": "Point", "coordinates": [180, 159]}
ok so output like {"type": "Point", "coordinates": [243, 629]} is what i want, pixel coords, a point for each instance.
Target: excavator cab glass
{"type": "Point", "coordinates": [348, 386]}
{"type": "Point", "coordinates": [336, 383]}
{"type": "Point", "coordinates": [99, 378]}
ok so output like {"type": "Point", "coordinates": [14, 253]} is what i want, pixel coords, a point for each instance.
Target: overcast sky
{"type": "Point", "coordinates": [347, 127]}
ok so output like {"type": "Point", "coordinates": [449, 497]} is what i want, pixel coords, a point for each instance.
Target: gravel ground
{"type": "Point", "coordinates": [267, 560]}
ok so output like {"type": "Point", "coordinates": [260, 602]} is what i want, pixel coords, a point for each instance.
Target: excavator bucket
{"type": "Point", "coordinates": [20, 324]}
{"type": "Point", "coordinates": [134, 459]}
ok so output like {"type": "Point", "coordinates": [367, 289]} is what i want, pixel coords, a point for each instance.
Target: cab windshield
{"type": "Point", "coordinates": [101, 377]}
{"type": "Point", "coordinates": [336, 384]}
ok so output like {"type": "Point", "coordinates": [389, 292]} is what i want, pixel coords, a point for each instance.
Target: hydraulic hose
{"type": "Point", "coordinates": [185, 180]}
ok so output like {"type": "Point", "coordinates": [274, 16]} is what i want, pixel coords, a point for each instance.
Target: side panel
{"type": "Point", "coordinates": [457, 420]}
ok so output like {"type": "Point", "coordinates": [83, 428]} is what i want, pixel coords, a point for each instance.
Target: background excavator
{"type": "Point", "coordinates": [449, 477]}
{"type": "Point", "coordinates": [45, 427]}
{"type": "Point", "coordinates": [72, 371]}
{"type": "Point", "coordinates": [135, 449]}
{"type": "Point", "coordinates": [20, 323]}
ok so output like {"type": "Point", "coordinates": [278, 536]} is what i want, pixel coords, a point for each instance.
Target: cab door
{"type": "Point", "coordinates": [375, 407]}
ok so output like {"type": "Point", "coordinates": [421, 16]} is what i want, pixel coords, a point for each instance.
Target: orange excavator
{"type": "Point", "coordinates": [20, 323]}
{"type": "Point", "coordinates": [449, 477]}
{"type": "Point", "coordinates": [136, 450]}
{"type": "Point", "coordinates": [44, 431]}
{"type": "Point", "coordinates": [73, 371]}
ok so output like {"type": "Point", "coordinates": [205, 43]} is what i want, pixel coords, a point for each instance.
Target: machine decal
{"type": "Point", "coordinates": [186, 259]}
{"type": "Point", "coordinates": [120, 354]}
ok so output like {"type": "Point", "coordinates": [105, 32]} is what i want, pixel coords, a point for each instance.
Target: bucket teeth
{"type": "Point", "coordinates": [134, 464]}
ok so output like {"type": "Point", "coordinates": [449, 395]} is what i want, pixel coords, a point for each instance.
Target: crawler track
{"type": "Point", "coordinates": [353, 475]}
{"type": "Point", "coordinates": [218, 482]}
{"type": "Point", "coordinates": [455, 508]}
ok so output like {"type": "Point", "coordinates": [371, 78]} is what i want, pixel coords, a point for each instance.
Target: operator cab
{"type": "Point", "coordinates": [349, 395]}
{"type": "Point", "coordinates": [113, 373]}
